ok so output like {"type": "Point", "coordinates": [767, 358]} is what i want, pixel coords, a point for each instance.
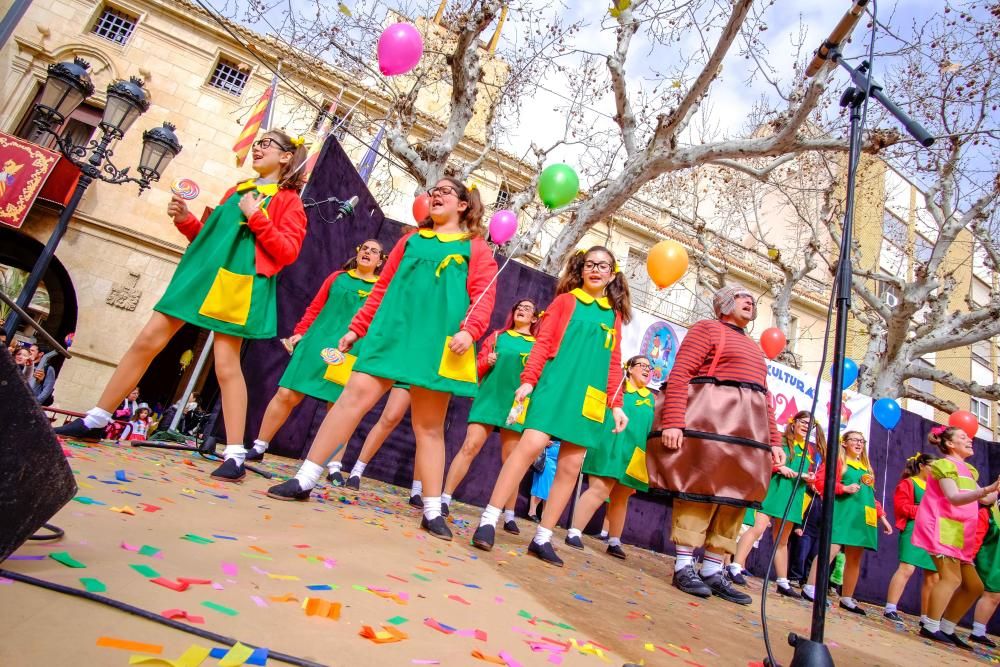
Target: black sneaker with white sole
{"type": "Point", "coordinates": [511, 527]}
{"type": "Point", "coordinates": [230, 471]}
{"type": "Point", "coordinates": [335, 478]}
{"type": "Point", "coordinates": [545, 552]}
{"type": "Point", "coordinates": [688, 581]}
{"type": "Point", "coordinates": [722, 587]}
{"type": "Point", "coordinates": [437, 527]}
{"type": "Point", "coordinates": [289, 490]}
{"type": "Point", "coordinates": [353, 483]}
{"type": "Point", "coordinates": [616, 551]}
{"type": "Point", "coordinates": [484, 537]}
{"type": "Point", "coordinates": [78, 429]}
{"type": "Point", "coordinates": [574, 541]}
{"type": "Point", "coordinates": [417, 501]}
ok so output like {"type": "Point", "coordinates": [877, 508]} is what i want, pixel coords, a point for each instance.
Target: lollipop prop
{"type": "Point", "coordinates": [185, 188]}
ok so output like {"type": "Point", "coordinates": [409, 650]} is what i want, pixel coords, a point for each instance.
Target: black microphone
{"type": "Point", "coordinates": [841, 32]}
{"type": "Point", "coordinates": [347, 208]}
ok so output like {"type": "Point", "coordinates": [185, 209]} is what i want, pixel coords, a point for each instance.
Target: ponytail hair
{"type": "Point", "coordinates": [290, 176]}
{"type": "Point", "coordinates": [940, 436]}
{"type": "Point", "coordinates": [471, 219]}
{"type": "Point", "coordinates": [352, 263]}
{"type": "Point", "coordinates": [913, 464]}
{"type": "Point", "coordinates": [616, 291]}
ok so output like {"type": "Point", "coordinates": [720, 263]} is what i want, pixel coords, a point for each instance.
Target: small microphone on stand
{"type": "Point", "coordinates": [346, 208]}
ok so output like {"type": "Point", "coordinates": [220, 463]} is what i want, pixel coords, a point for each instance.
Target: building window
{"type": "Point", "coordinates": [503, 196]}
{"type": "Point", "coordinates": [639, 283]}
{"type": "Point", "coordinates": [981, 353]}
{"type": "Point", "coordinates": [230, 77]}
{"type": "Point", "coordinates": [888, 292]}
{"type": "Point", "coordinates": [981, 409]}
{"type": "Point", "coordinates": [115, 25]}
{"type": "Point", "coordinates": [79, 128]}
{"type": "Point", "coordinates": [894, 230]}
{"type": "Point", "coordinates": [336, 123]}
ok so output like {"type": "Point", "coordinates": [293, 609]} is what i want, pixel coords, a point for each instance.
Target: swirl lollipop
{"type": "Point", "coordinates": [185, 188]}
{"type": "Point", "coordinates": [332, 356]}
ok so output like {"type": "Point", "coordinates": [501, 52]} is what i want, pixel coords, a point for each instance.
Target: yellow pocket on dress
{"type": "Point", "coordinates": [871, 516]}
{"type": "Point", "coordinates": [461, 367]}
{"type": "Point", "coordinates": [951, 533]}
{"type": "Point", "coordinates": [595, 404]}
{"type": "Point", "coordinates": [524, 411]}
{"type": "Point", "coordinates": [338, 373]}
{"type": "Point", "coordinates": [637, 466]}
{"type": "Point", "coordinates": [228, 299]}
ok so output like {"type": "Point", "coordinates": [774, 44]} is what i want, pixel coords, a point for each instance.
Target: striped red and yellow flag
{"type": "Point", "coordinates": [259, 118]}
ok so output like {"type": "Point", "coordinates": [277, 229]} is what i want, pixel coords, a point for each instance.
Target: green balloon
{"type": "Point", "coordinates": [558, 185]}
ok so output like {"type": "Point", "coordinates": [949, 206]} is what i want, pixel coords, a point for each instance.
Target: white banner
{"type": "Point", "coordinates": [791, 389]}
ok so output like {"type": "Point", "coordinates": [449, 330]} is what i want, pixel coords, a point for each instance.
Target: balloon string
{"type": "Point", "coordinates": [488, 285]}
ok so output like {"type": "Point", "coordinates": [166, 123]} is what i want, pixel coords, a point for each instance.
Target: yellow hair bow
{"type": "Point", "coordinates": [297, 141]}
{"type": "Point", "coordinates": [471, 186]}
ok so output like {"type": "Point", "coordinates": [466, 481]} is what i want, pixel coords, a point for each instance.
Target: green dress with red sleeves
{"type": "Point", "coordinates": [307, 371]}
{"type": "Point", "coordinates": [988, 559]}
{"type": "Point", "coordinates": [908, 551]}
{"type": "Point", "coordinates": [781, 487]}
{"type": "Point", "coordinates": [855, 516]}
{"type": "Point", "coordinates": [423, 306]}
{"type": "Point", "coordinates": [496, 392]}
{"type": "Point", "coordinates": [570, 402]}
{"type": "Point", "coordinates": [216, 285]}
{"type": "Point", "coordinates": [622, 456]}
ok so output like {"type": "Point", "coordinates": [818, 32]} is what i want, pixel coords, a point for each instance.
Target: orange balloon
{"type": "Point", "coordinates": [666, 263]}
{"type": "Point", "coordinates": [772, 341]}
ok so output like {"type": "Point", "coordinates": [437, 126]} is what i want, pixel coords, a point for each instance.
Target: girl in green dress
{"type": "Point", "coordinates": [576, 367]}
{"type": "Point", "coordinates": [225, 282]}
{"type": "Point", "coordinates": [905, 501]}
{"type": "Point", "coordinates": [500, 362]}
{"type": "Point", "coordinates": [988, 567]}
{"type": "Point", "coordinates": [433, 300]}
{"type": "Point", "coordinates": [791, 478]}
{"type": "Point", "coordinates": [311, 370]}
{"type": "Point", "coordinates": [856, 516]}
{"type": "Point", "coordinates": [617, 468]}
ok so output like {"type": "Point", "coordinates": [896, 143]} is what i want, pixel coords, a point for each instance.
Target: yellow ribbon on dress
{"type": "Point", "coordinates": [458, 259]}
{"type": "Point", "coordinates": [524, 359]}
{"type": "Point", "coordinates": [362, 293]}
{"type": "Point", "coordinates": [610, 337]}
{"type": "Point", "coordinates": [644, 401]}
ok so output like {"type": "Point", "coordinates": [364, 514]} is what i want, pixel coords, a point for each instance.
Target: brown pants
{"type": "Point", "coordinates": [715, 527]}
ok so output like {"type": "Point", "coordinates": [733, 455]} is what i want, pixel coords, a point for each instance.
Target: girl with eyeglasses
{"type": "Point", "coordinates": [617, 468]}
{"type": "Point", "coordinates": [905, 502]}
{"type": "Point", "coordinates": [312, 370]}
{"type": "Point", "coordinates": [856, 516]}
{"type": "Point", "coordinates": [432, 301]}
{"type": "Point", "coordinates": [946, 526]}
{"type": "Point", "coordinates": [572, 375]}
{"type": "Point", "coordinates": [500, 362]}
{"type": "Point", "coordinates": [226, 282]}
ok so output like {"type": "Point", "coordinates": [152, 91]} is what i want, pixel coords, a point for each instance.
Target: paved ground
{"type": "Point", "coordinates": [261, 559]}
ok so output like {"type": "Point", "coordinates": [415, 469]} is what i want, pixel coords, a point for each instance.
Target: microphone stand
{"type": "Point", "coordinates": [813, 652]}
{"type": "Point", "coordinates": [322, 202]}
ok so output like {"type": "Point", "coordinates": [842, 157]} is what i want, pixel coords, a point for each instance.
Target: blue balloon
{"type": "Point", "coordinates": [850, 373]}
{"type": "Point", "coordinates": [886, 412]}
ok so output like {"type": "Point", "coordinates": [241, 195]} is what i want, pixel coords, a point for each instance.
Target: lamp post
{"type": "Point", "coordinates": [67, 85]}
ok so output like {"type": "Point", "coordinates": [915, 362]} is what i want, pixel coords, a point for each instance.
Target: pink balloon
{"type": "Point", "coordinates": [399, 49]}
{"type": "Point", "coordinates": [503, 225]}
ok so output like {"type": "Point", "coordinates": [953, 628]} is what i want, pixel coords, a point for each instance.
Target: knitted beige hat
{"type": "Point", "coordinates": [725, 299]}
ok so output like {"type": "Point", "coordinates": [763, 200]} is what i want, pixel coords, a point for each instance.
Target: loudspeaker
{"type": "Point", "coordinates": [35, 478]}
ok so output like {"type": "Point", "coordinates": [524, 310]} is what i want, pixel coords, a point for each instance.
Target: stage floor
{"type": "Point", "coordinates": [259, 559]}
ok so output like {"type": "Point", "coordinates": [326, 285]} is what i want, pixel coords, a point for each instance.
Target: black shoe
{"type": "Point", "coordinates": [290, 489]}
{"type": "Point", "coordinates": [535, 518]}
{"type": "Point", "coordinates": [856, 609]}
{"type": "Point", "coordinates": [954, 639]}
{"type": "Point", "coordinates": [806, 596]}
{"type": "Point", "coordinates": [484, 537]}
{"type": "Point", "coordinates": [602, 537]}
{"type": "Point", "coordinates": [737, 578]}
{"type": "Point", "coordinates": [417, 501]}
{"type": "Point", "coordinates": [721, 586]}
{"type": "Point", "coordinates": [77, 429]}
{"type": "Point", "coordinates": [616, 551]}
{"type": "Point", "coordinates": [689, 582]}
{"type": "Point", "coordinates": [788, 592]}
{"type": "Point", "coordinates": [230, 471]}
{"type": "Point", "coordinates": [447, 512]}
{"type": "Point", "coordinates": [353, 483]}
{"type": "Point", "coordinates": [437, 527]}
{"type": "Point", "coordinates": [545, 552]}
{"type": "Point", "coordinates": [574, 541]}
{"type": "Point", "coordinates": [254, 455]}
{"type": "Point", "coordinates": [983, 641]}
{"type": "Point", "coordinates": [937, 635]}
{"type": "Point", "coordinates": [893, 616]}
{"type": "Point", "coordinates": [511, 527]}
{"type": "Point", "coordinates": [335, 478]}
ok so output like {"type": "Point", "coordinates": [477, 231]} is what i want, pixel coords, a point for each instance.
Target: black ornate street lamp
{"type": "Point", "coordinates": [67, 86]}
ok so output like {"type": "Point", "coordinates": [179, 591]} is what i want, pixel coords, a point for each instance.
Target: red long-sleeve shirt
{"type": "Point", "coordinates": [549, 338]}
{"type": "Point", "coordinates": [482, 270]}
{"type": "Point", "coordinates": [903, 505]}
{"type": "Point", "coordinates": [482, 364]}
{"type": "Point", "coordinates": [316, 305]}
{"type": "Point", "coordinates": [278, 231]}
{"type": "Point", "coordinates": [817, 484]}
{"type": "Point", "coordinates": [742, 361]}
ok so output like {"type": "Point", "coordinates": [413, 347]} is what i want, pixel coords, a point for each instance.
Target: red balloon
{"type": "Point", "coordinates": [421, 207]}
{"type": "Point", "coordinates": [772, 341]}
{"type": "Point", "coordinates": [966, 421]}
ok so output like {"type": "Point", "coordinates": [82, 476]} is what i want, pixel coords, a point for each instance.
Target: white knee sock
{"type": "Point", "coordinates": [334, 467]}
{"type": "Point", "coordinates": [417, 488]}
{"type": "Point", "coordinates": [309, 474]}
{"type": "Point", "coordinates": [432, 507]}
{"type": "Point", "coordinates": [947, 626]}
{"type": "Point", "coordinates": [685, 557]}
{"type": "Point", "coordinates": [237, 451]}
{"type": "Point", "coordinates": [711, 564]}
{"type": "Point", "coordinates": [542, 535]}
{"type": "Point", "coordinates": [614, 542]}
{"type": "Point", "coordinates": [490, 516]}
{"type": "Point", "coordinates": [260, 446]}
{"type": "Point", "coordinates": [979, 629]}
{"type": "Point", "coordinates": [97, 418]}
{"type": "Point", "coordinates": [574, 532]}
{"type": "Point", "coordinates": [359, 468]}
{"type": "Point", "coordinates": [446, 499]}
{"type": "Point", "coordinates": [889, 607]}
{"type": "Point", "coordinates": [508, 515]}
